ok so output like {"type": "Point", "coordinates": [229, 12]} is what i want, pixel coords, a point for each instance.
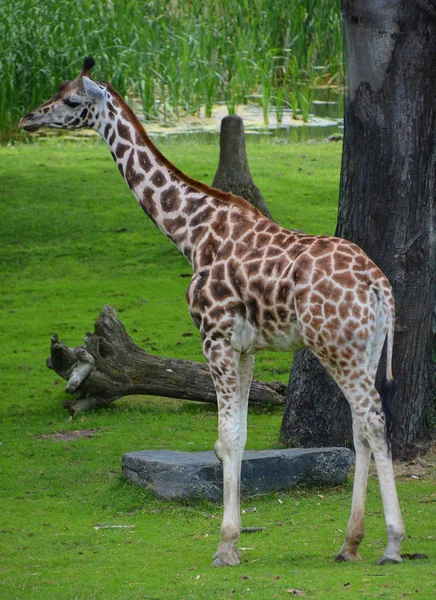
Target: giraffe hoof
{"type": "Point", "coordinates": [226, 556]}
{"type": "Point", "coordinates": [342, 557]}
{"type": "Point", "coordinates": [390, 560]}
{"type": "Point", "coordinates": [222, 561]}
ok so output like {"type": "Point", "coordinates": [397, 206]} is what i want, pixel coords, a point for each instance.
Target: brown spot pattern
{"type": "Point", "coordinates": [121, 149]}
{"type": "Point", "coordinates": [208, 250]}
{"type": "Point", "coordinates": [170, 199]}
{"type": "Point", "coordinates": [158, 178]}
{"type": "Point", "coordinates": [192, 205]}
{"type": "Point", "coordinates": [144, 161]}
{"type": "Point", "coordinates": [202, 217]}
{"type": "Point", "coordinates": [172, 226]}
{"type": "Point", "coordinates": [124, 131]}
{"type": "Point", "coordinates": [148, 202]}
{"type": "Point", "coordinates": [133, 177]}
{"type": "Point", "coordinates": [139, 139]}
{"type": "Point", "coordinates": [220, 225]}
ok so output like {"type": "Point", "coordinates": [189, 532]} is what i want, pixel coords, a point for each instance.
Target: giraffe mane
{"type": "Point", "coordinates": [198, 185]}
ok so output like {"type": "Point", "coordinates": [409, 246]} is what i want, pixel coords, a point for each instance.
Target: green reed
{"type": "Point", "coordinates": [172, 57]}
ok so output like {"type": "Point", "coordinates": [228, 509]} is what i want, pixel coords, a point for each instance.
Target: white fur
{"type": "Point", "coordinates": [92, 89]}
{"type": "Point", "coordinates": [243, 335]}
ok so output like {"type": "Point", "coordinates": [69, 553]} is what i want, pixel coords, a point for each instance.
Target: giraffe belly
{"type": "Point", "coordinates": [285, 339]}
{"type": "Point", "coordinates": [248, 338]}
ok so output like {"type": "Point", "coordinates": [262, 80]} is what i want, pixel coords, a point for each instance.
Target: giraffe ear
{"type": "Point", "coordinates": [92, 89]}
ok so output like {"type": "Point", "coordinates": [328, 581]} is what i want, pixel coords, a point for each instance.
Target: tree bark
{"type": "Point", "coordinates": [109, 366]}
{"type": "Point", "coordinates": [233, 173]}
{"type": "Point", "coordinates": [387, 205]}
{"type": "Point", "coordinates": [316, 413]}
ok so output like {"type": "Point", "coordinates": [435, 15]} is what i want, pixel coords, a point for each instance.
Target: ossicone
{"type": "Point", "coordinates": [88, 63]}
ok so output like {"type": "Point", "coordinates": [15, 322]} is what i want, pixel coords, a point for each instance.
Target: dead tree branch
{"type": "Point", "coordinates": [110, 365]}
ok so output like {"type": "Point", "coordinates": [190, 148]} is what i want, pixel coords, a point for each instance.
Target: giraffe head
{"type": "Point", "coordinates": [74, 105]}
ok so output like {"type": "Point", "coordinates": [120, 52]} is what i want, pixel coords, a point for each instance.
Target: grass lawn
{"type": "Point", "coordinates": [73, 239]}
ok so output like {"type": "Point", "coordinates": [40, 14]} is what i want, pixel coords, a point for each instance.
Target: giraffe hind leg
{"type": "Point", "coordinates": [355, 528]}
{"type": "Point", "coordinates": [385, 471]}
{"type": "Point", "coordinates": [369, 429]}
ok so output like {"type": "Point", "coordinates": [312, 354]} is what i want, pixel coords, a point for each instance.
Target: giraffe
{"type": "Point", "coordinates": [256, 285]}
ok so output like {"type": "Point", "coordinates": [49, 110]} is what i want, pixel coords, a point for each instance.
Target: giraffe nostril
{"type": "Point", "coordinates": [29, 116]}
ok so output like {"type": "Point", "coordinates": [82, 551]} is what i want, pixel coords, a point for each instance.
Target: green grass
{"type": "Point", "coordinates": [73, 240]}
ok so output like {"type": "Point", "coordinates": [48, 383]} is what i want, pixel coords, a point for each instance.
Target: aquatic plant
{"type": "Point", "coordinates": [172, 57]}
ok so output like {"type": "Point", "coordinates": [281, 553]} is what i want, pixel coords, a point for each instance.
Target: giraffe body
{"type": "Point", "coordinates": [256, 286]}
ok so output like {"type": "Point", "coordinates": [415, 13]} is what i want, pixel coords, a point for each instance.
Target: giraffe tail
{"type": "Point", "coordinates": [390, 343]}
{"type": "Point", "coordinates": [388, 392]}
{"type": "Point", "coordinates": [389, 386]}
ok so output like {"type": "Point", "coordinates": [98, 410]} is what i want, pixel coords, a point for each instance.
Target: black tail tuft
{"type": "Point", "coordinates": [388, 392]}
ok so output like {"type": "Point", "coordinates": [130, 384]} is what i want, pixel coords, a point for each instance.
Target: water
{"type": "Point", "coordinates": [326, 119]}
{"type": "Point", "coordinates": [287, 134]}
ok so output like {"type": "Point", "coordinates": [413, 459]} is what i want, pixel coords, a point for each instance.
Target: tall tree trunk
{"type": "Point", "coordinates": [387, 204]}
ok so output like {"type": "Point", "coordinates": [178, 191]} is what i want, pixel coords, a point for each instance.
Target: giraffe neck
{"type": "Point", "coordinates": [185, 210]}
{"type": "Point", "coordinates": [165, 194]}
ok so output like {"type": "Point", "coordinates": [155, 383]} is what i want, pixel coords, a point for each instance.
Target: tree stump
{"type": "Point", "coordinates": [233, 173]}
{"type": "Point", "coordinates": [110, 365]}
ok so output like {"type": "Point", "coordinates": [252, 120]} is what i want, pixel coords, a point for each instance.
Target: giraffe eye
{"type": "Point", "coordinates": [71, 103]}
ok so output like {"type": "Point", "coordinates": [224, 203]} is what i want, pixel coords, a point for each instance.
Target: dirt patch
{"type": "Point", "coordinates": [422, 467]}
{"type": "Point", "coordinates": [70, 436]}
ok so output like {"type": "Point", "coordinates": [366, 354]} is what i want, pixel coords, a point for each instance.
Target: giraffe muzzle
{"type": "Point", "coordinates": [30, 127]}
{"type": "Point", "coordinates": [26, 124]}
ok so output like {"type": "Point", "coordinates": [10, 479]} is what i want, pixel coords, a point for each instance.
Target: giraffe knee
{"type": "Point", "coordinates": [374, 429]}
{"type": "Point", "coordinates": [222, 449]}
{"type": "Point", "coordinates": [376, 423]}
{"type": "Point", "coordinates": [376, 419]}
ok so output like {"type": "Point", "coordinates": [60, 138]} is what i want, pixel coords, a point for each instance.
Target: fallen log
{"type": "Point", "coordinates": [110, 365]}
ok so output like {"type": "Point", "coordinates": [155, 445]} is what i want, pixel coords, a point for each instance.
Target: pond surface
{"type": "Point", "coordinates": [326, 119]}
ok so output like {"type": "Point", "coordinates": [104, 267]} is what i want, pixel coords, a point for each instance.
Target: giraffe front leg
{"type": "Point", "coordinates": [227, 553]}
{"type": "Point", "coordinates": [232, 374]}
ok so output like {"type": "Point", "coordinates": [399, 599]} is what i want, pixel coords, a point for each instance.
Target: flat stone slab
{"type": "Point", "coordinates": [188, 475]}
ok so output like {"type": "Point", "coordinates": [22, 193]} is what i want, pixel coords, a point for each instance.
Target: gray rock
{"type": "Point", "coordinates": [188, 475]}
